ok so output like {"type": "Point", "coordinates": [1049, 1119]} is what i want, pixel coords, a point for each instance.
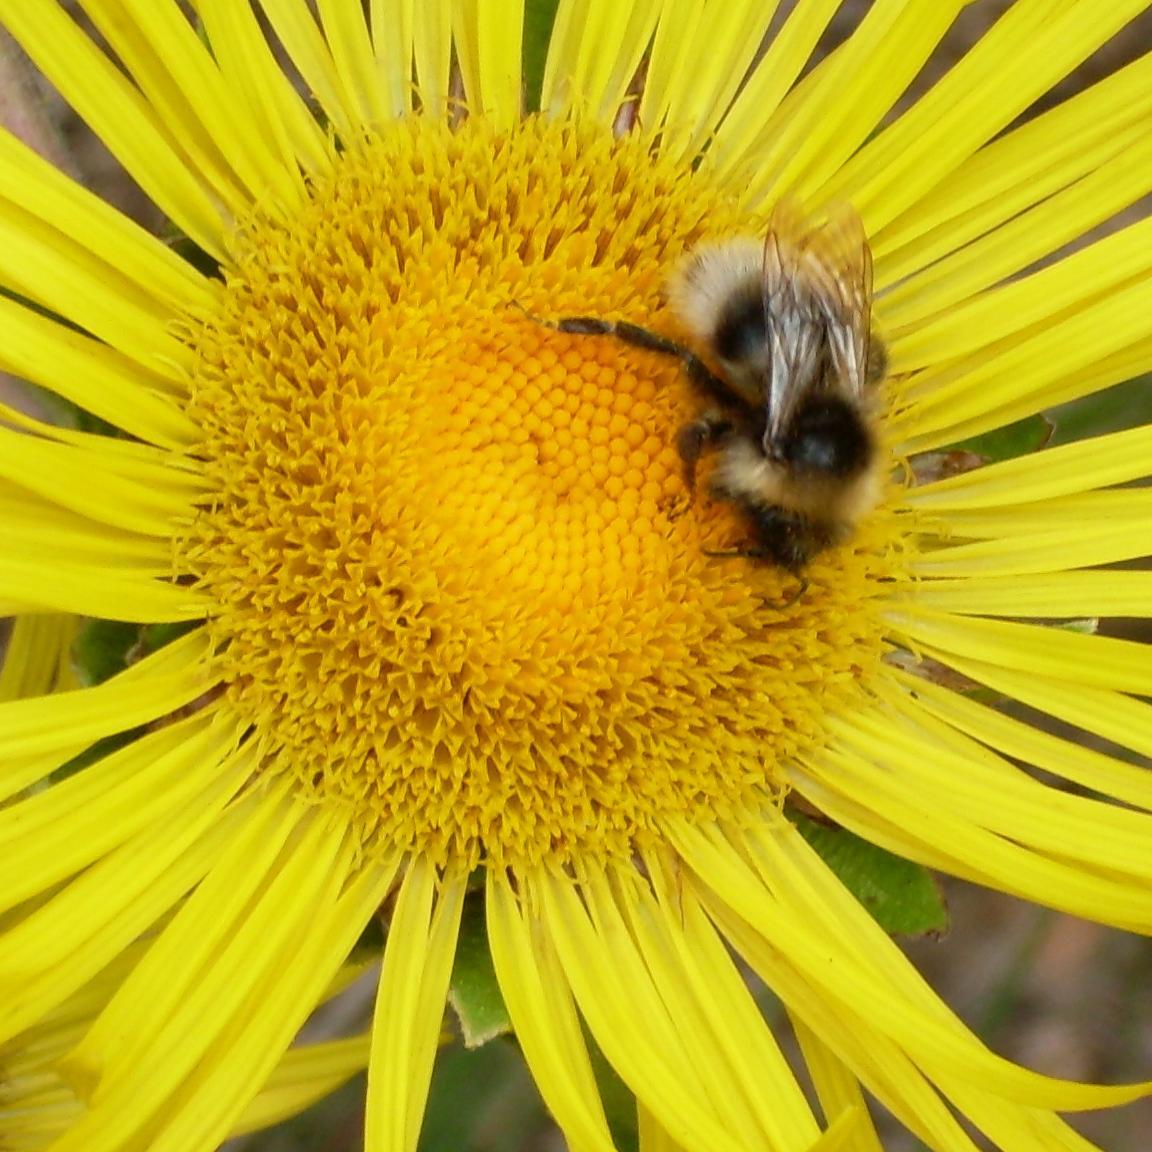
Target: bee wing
{"type": "Point", "coordinates": [794, 319]}
{"type": "Point", "coordinates": [840, 273]}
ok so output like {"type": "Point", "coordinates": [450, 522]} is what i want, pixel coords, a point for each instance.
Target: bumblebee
{"type": "Point", "coordinates": [791, 412]}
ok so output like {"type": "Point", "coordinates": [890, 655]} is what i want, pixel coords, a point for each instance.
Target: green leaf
{"type": "Point", "coordinates": [539, 18]}
{"type": "Point", "coordinates": [1127, 405]}
{"type": "Point", "coordinates": [102, 648]}
{"type": "Point", "coordinates": [474, 992]}
{"type": "Point", "coordinates": [1019, 439]}
{"type": "Point", "coordinates": [901, 896]}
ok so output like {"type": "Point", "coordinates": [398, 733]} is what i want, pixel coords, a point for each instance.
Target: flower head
{"type": "Point", "coordinates": [448, 603]}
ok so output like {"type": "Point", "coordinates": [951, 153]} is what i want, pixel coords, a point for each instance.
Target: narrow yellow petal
{"type": "Point", "coordinates": [686, 92]}
{"type": "Point", "coordinates": [239, 46]}
{"type": "Point", "coordinates": [1051, 653]}
{"type": "Point", "coordinates": [820, 928]}
{"type": "Point", "coordinates": [119, 114]}
{"type": "Point", "coordinates": [410, 1007]}
{"type": "Point", "coordinates": [1066, 758]}
{"type": "Point", "coordinates": [346, 33]}
{"type": "Point", "coordinates": [94, 590]}
{"type": "Point", "coordinates": [307, 1074]}
{"type": "Point", "coordinates": [209, 937]}
{"type": "Point", "coordinates": [1124, 508]}
{"type": "Point", "coordinates": [1052, 151]}
{"type": "Point", "coordinates": [1056, 595]}
{"type": "Point", "coordinates": [296, 29]}
{"type": "Point", "coordinates": [92, 376]}
{"type": "Point", "coordinates": [432, 49]}
{"type": "Point", "coordinates": [392, 39]}
{"type": "Point", "coordinates": [34, 528]}
{"type": "Point", "coordinates": [36, 655]}
{"type": "Point", "coordinates": [1035, 553]}
{"type": "Point", "coordinates": [157, 686]}
{"type": "Point", "coordinates": [876, 1060]}
{"type": "Point", "coordinates": [694, 973]}
{"type": "Point", "coordinates": [249, 1049]}
{"type": "Point", "coordinates": [654, 1137]}
{"type": "Point", "coordinates": [595, 50]}
{"type": "Point", "coordinates": [1125, 722]}
{"type": "Point", "coordinates": [1064, 471]}
{"type": "Point", "coordinates": [1059, 152]}
{"type": "Point", "coordinates": [936, 429]}
{"type": "Point", "coordinates": [547, 1026]}
{"type": "Point", "coordinates": [957, 322]}
{"type": "Point", "coordinates": [838, 1090]}
{"type": "Point", "coordinates": [1024, 373]}
{"type": "Point", "coordinates": [926, 755]}
{"type": "Point", "coordinates": [150, 493]}
{"type": "Point", "coordinates": [50, 953]}
{"type": "Point", "coordinates": [63, 276]}
{"type": "Point", "coordinates": [31, 183]}
{"type": "Point", "coordinates": [1021, 56]}
{"type": "Point", "coordinates": [54, 833]}
{"type": "Point", "coordinates": [632, 1025]}
{"type": "Point", "coordinates": [817, 129]}
{"type": "Point", "coordinates": [489, 39]}
{"type": "Point", "coordinates": [169, 63]}
{"type": "Point", "coordinates": [858, 791]}
{"type": "Point", "coordinates": [750, 119]}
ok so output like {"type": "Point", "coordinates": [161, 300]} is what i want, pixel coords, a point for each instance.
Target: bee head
{"type": "Point", "coordinates": [826, 437]}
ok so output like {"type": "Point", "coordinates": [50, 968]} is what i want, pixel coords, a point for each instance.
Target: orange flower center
{"type": "Point", "coordinates": [463, 591]}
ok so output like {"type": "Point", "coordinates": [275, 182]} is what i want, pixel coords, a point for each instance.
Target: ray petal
{"type": "Point", "coordinates": [282, 117]}
{"type": "Point", "coordinates": [594, 52]}
{"type": "Point", "coordinates": [410, 1007]}
{"type": "Point", "coordinates": [38, 735]}
{"type": "Point", "coordinates": [1070, 759]}
{"type": "Point", "coordinates": [92, 376]}
{"type": "Point", "coordinates": [392, 41]}
{"type": "Point", "coordinates": [184, 86]}
{"type": "Point", "coordinates": [49, 953]}
{"type": "Point", "coordinates": [1064, 471]}
{"type": "Point", "coordinates": [546, 1022]}
{"type": "Point", "coordinates": [1025, 53]}
{"type": "Point", "coordinates": [489, 37]}
{"type": "Point", "coordinates": [631, 1023]}
{"type": "Point", "coordinates": [346, 33]}
{"type": "Point", "coordinates": [1055, 150]}
{"type": "Point", "coordinates": [120, 115]}
{"type": "Point", "coordinates": [297, 31]}
{"type": "Point", "coordinates": [686, 92]}
{"type": "Point", "coordinates": [1050, 653]}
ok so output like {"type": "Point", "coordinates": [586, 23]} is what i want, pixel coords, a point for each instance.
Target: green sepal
{"type": "Point", "coordinates": [474, 993]}
{"type": "Point", "coordinates": [901, 896]}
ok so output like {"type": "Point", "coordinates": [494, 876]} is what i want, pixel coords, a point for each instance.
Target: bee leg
{"type": "Point", "coordinates": [703, 380]}
{"type": "Point", "coordinates": [763, 554]}
{"type": "Point", "coordinates": [694, 439]}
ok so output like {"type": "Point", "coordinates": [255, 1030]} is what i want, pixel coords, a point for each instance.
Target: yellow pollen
{"type": "Point", "coordinates": [462, 591]}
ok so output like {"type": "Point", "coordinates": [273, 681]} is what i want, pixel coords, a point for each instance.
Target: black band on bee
{"type": "Point", "coordinates": [827, 437]}
{"type": "Point", "coordinates": [741, 335]}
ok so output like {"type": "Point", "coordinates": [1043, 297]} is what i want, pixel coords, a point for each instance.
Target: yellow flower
{"type": "Point", "coordinates": [451, 608]}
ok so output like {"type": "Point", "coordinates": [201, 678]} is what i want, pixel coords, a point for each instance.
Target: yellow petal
{"type": "Point", "coordinates": [410, 1007]}
{"type": "Point", "coordinates": [545, 1019]}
